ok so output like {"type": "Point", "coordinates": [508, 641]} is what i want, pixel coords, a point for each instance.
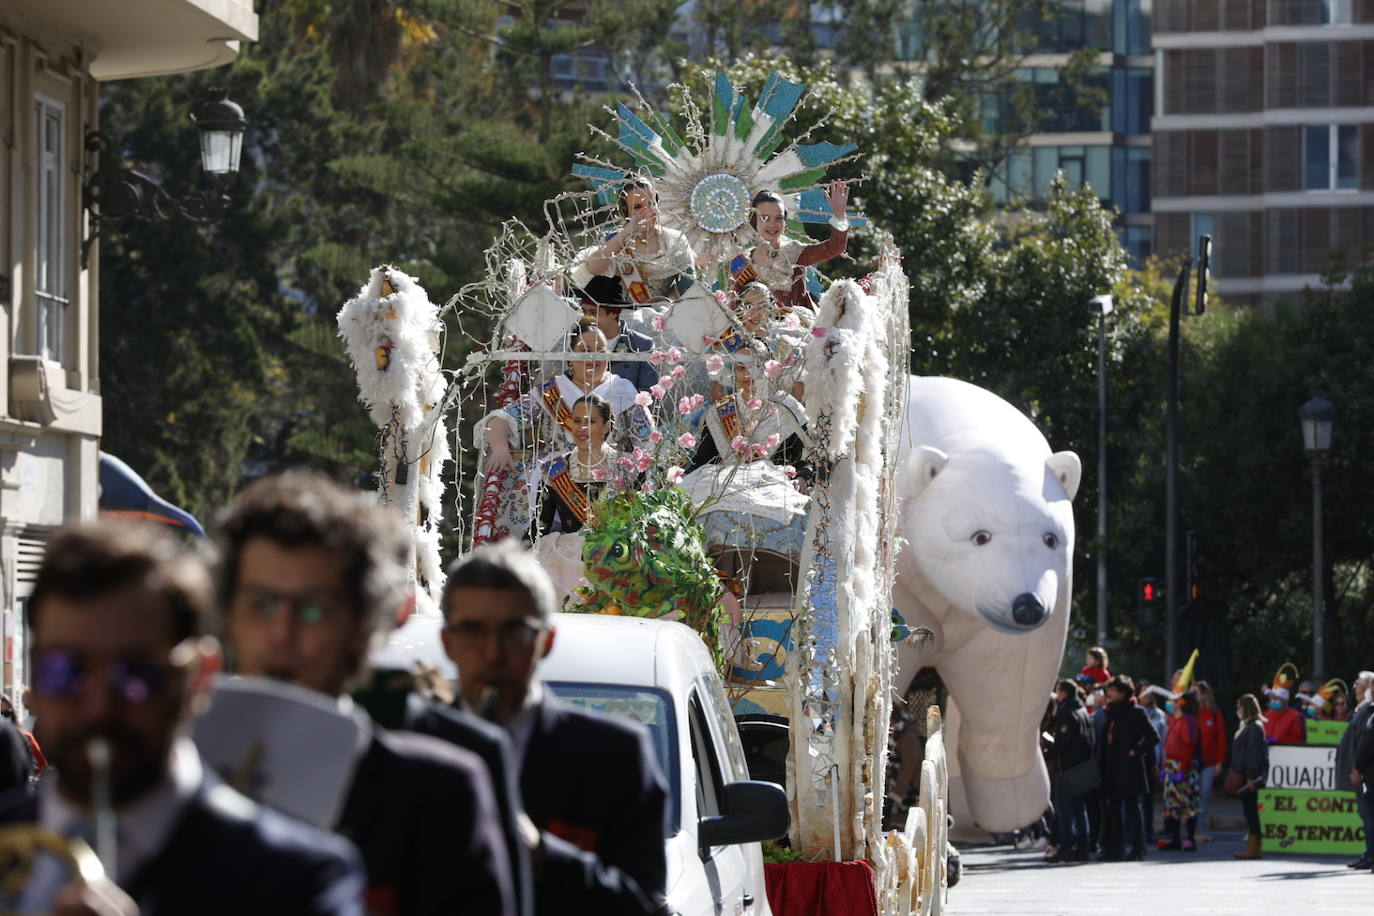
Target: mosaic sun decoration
{"type": "Point", "coordinates": [706, 179]}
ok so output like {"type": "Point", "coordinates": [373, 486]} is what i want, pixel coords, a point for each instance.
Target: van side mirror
{"type": "Point", "coordinates": [754, 812]}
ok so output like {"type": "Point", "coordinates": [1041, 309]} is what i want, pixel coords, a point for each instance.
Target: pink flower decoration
{"type": "Point", "coordinates": [772, 368]}
{"type": "Point", "coordinates": [658, 322]}
{"type": "Point", "coordinates": [658, 357]}
{"type": "Point", "coordinates": [599, 474]}
{"type": "Point", "coordinates": [739, 444]}
{"type": "Point", "coordinates": [792, 321]}
{"type": "Point", "coordinates": [714, 365]}
{"type": "Point", "coordinates": [687, 440]}
{"type": "Point", "coordinates": [719, 294]}
{"type": "Point", "coordinates": [626, 462]}
{"type": "Point", "coordinates": [684, 405]}
{"type": "Point", "coordinates": [708, 340]}
{"type": "Point", "coordinates": [756, 451]}
{"type": "Point", "coordinates": [789, 471]}
{"type": "Point", "coordinates": [678, 372]}
{"type": "Point", "coordinates": [674, 474]}
{"type": "Point", "coordinates": [753, 404]}
{"type": "Point", "coordinates": [665, 382]}
{"type": "Point", "coordinates": [647, 487]}
{"type": "Point", "coordinates": [646, 461]}
{"type": "Point", "coordinates": [655, 437]}
{"type": "Point", "coordinates": [644, 399]}
{"type": "Point", "coordinates": [675, 355]}
{"type": "Point", "coordinates": [656, 391]}
{"type": "Point", "coordinates": [698, 400]}
{"type": "Point", "coordinates": [772, 441]}
{"type": "Point", "coordinates": [818, 331]}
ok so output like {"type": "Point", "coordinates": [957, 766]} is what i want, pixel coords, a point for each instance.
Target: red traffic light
{"type": "Point", "coordinates": [1147, 591]}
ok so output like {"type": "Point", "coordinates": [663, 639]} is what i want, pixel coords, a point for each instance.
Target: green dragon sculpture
{"type": "Point", "coordinates": [645, 556]}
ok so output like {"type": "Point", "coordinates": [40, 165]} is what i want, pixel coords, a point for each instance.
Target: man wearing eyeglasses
{"type": "Point", "coordinates": [120, 662]}
{"type": "Point", "coordinates": [589, 783]}
{"type": "Point", "coordinates": [310, 572]}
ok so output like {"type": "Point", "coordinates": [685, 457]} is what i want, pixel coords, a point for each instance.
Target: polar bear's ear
{"type": "Point", "coordinates": [1067, 469]}
{"type": "Point", "coordinates": [926, 463]}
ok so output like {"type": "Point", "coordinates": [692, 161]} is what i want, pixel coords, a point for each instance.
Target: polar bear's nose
{"type": "Point", "coordinates": [1027, 610]}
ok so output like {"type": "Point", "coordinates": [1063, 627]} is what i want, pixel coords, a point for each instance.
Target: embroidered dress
{"type": "Point", "coordinates": [1182, 791]}
{"type": "Point", "coordinates": [646, 277]}
{"type": "Point", "coordinates": [567, 493]}
{"type": "Point", "coordinates": [540, 423]}
{"type": "Point", "coordinates": [783, 269]}
{"type": "Point", "coordinates": [750, 502]}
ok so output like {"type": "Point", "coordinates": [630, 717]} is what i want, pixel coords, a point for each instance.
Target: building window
{"type": "Point", "coordinates": [50, 280]}
{"type": "Point", "coordinates": [1335, 12]}
{"type": "Point", "coordinates": [1330, 156]}
{"type": "Point", "coordinates": [1137, 242]}
{"type": "Point", "coordinates": [1131, 26]}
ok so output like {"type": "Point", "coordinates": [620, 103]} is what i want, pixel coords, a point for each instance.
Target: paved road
{"type": "Point", "coordinates": [1006, 882]}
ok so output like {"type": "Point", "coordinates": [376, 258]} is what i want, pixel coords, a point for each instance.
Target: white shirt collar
{"type": "Point", "coordinates": [521, 726]}
{"type": "Point", "coordinates": [143, 825]}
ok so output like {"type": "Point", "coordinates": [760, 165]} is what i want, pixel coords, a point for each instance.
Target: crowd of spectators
{"type": "Point", "coordinates": [1113, 746]}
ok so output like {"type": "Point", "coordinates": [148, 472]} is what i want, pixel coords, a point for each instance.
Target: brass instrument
{"type": "Point", "coordinates": [36, 864]}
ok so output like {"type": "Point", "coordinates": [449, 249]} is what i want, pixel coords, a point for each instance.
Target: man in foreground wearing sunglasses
{"type": "Point", "coordinates": [589, 783]}
{"type": "Point", "coordinates": [120, 661]}
{"type": "Point", "coordinates": [310, 573]}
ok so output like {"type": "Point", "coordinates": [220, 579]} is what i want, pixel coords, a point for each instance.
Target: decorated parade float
{"type": "Point", "coordinates": [685, 418]}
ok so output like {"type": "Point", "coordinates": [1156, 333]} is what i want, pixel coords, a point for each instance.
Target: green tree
{"type": "Point", "coordinates": [200, 379]}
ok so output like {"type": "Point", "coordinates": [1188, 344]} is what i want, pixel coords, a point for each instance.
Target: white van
{"type": "Point", "coordinates": [660, 673]}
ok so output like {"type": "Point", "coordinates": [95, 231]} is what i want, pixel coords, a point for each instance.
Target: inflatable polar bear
{"type": "Point", "coordinates": [987, 566]}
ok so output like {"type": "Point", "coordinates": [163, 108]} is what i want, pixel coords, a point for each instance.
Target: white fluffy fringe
{"type": "Point", "coordinates": [411, 385]}
{"type": "Point", "coordinates": [407, 321]}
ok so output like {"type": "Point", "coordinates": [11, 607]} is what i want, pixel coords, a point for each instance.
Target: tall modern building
{"type": "Point", "coordinates": [1108, 150]}
{"type": "Point", "coordinates": [1264, 137]}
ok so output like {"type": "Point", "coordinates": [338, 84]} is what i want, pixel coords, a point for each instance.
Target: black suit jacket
{"type": "Point", "coordinates": [422, 813]}
{"type": "Point", "coordinates": [226, 856]}
{"type": "Point", "coordinates": [642, 375]}
{"type": "Point", "coordinates": [593, 787]}
{"type": "Point", "coordinates": [489, 742]}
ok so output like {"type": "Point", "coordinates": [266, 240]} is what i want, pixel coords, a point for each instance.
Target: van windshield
{"type": "Point", "coordinates": [651, 708]}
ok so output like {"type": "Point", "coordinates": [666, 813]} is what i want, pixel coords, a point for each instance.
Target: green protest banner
{"type": "Point", "coordinates": [1323, 732]}
{"type": "Point", "coordinates": [1319, 823]}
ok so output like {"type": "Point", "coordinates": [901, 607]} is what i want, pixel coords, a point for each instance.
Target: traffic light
{"type": "Point", "coordinates": [1147, 596]}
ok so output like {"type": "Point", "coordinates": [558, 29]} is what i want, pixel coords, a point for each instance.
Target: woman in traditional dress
{"type": "Point", "coordinates": [570, 485]}
{"type": "Point", "coordinates": [517, 437]}
{"type": "Point", "coordinates": [651, 261]}
{"type": "Point", "coordinates": [547, 409]}
{"type": "Point", "coordinates": [781, 262]}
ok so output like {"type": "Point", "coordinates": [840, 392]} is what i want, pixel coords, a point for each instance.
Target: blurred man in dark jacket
{"type": "Point", "coordinates": [310, 572]}
{"type": "Point", "coordinates": [590, 784]}
{"type": "Point", "coordinates": [1073, 745]}
{"type": "Point", "coordinates": [1127, 753]}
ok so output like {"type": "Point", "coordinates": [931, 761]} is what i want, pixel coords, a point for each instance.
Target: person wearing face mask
{"type": "Point", "coordinates": [1282, 725]}
{"type": "Point", "coordinates": [1182, 757]}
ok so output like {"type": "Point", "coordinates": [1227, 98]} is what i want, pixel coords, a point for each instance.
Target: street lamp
{"type": "Point", "coordinates": [1102, 305]}
{"type": "Point", "coordinates": [114, 195]}
{"type": "Point", "coordinates": [1317, 416]}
